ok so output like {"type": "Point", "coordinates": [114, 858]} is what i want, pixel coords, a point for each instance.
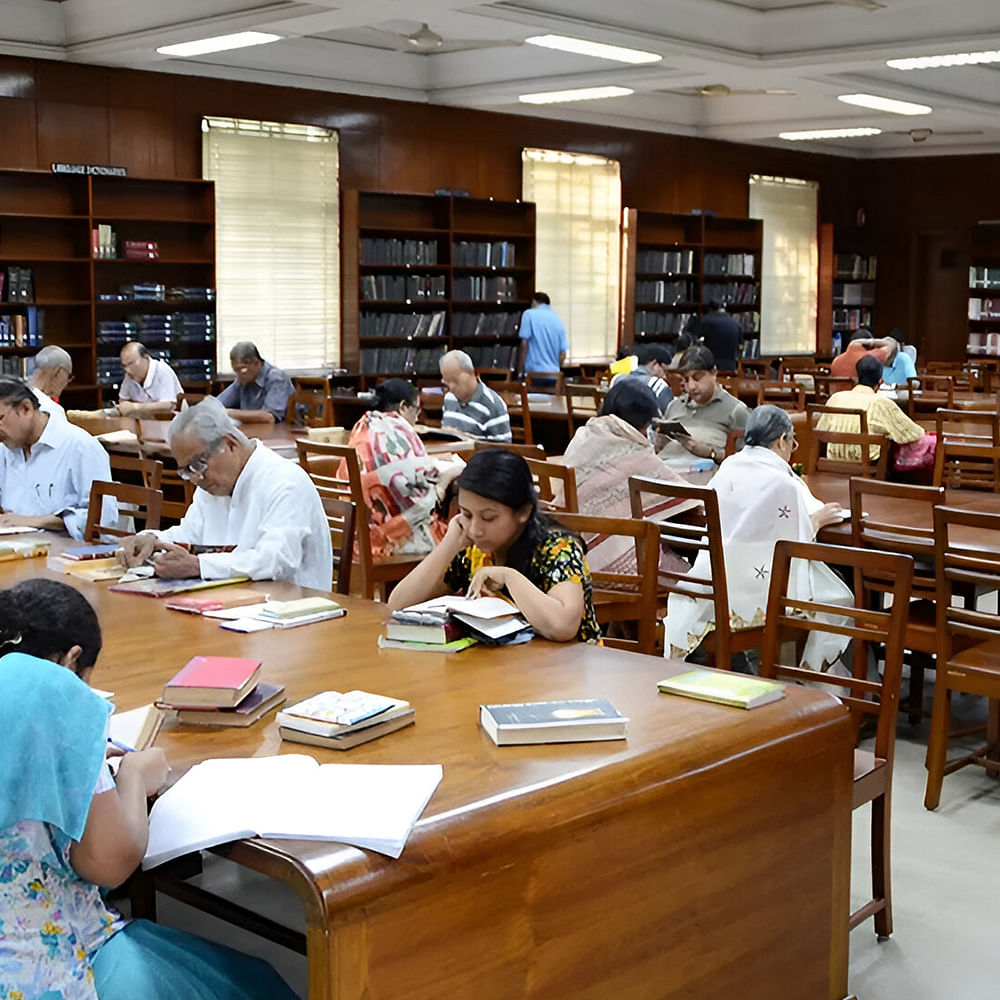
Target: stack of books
{"type": "Point", "coordinates": [450, 624]}
{"type": "Point", "coordinates": [339, 721]}
{"type": "Point", "coordinates": [220, 691]}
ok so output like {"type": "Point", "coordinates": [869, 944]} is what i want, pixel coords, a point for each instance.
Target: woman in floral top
{"type": "Point", "coordinates": [499, 542]}
{"type": "Point", "coordinates": [67, 827]}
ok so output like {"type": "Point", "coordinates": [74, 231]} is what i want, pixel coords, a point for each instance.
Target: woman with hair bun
{"type": "Point", "coordinates": [499, 542]}
{"type": "Point", "coordinates": [399, 480]}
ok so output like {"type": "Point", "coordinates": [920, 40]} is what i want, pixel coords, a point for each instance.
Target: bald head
{"type": "Point", "coordinates": [458, 375]}
{"type": "Point", "coordinates": [135, 360]}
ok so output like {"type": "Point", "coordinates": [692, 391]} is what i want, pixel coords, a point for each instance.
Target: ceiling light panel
{"type": "Point", "coordinates": [220, 43]}
{"type": "Point", "coordinates": [582, 47]}
{"type": "Point", "coordinates": [939, 62]}
{"type": "Point", "coordinates": [877, 103]}
{"type": "Point", "coordinates": [582, 94]}
{"type": "Point", "coordinates": [829, 133]}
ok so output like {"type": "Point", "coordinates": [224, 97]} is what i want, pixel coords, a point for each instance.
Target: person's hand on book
{"type": "Point", "coordinates": [693, 445]}
{"type": "Point", "coordinates": [829, 513]}
{"type": "Point", "coordinates": [136, 549]}
{"type": "Point", "coordinates": [148, 767]}
{"type": "Point", "coordinates": [488, 581]}
{"type": "Point", "coordinates": [173, 562]}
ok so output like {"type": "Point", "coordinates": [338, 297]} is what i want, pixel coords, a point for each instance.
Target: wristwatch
{"type": "Point", "coordinates": [714, 457]}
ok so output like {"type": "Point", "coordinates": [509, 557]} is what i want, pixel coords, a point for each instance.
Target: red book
{"type": "Point", "coordinates": [219, 681]}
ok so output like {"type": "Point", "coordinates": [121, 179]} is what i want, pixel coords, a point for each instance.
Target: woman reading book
{"type": "Point", "coordinates": [67, 827]}
{"type": "Point", "coordinates": [498, 542]}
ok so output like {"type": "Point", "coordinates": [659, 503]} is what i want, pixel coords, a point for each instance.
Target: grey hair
{"type": "Point", "coordinates": [53, 357]}
{"type": "Point", "coordinates": [244, 350]}
{"type": "Point", "coordinates": [207, 421]}
{"type": "Point", "coordinates": [765, 425]}
{"type": "Point", "coordinates": [463, 359]}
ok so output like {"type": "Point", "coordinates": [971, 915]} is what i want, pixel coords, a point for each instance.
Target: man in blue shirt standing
{"type": "Point", "coordinates": [543, 337]}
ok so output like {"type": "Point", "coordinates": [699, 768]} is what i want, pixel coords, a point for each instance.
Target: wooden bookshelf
{"type": "Point", "coordinates": [675, 264]}
{"type": "Point", "coordinates": [46, 226]}
{"type": "Point", "coordinates": [984, 293]}
{"type": "Point", "coordinates": [853, 293]}
{"type": "Point", "coordinates": [423, 274]}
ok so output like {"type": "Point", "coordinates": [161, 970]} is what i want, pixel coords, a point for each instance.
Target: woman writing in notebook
{"type": "Point", "coordinates": [500, 543]}
{"type": "Point", "coordinates": [67, 827]}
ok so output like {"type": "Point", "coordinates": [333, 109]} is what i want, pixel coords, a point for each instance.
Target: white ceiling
{"type": "Point", "coordinates": [816, 48]}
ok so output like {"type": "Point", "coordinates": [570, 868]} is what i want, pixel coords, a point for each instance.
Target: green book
{"type": "Point", "coordinates": [738, 690]}
{"type": "Point", "coordinates": [455, 646]}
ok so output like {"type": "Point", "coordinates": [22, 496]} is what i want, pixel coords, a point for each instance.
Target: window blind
{"type": "Point", "coordinates": [277, 218]}
{"type": "Point", "coordinates": [790, 262]}
{"type": "Point", "coordinates": [578, 201]}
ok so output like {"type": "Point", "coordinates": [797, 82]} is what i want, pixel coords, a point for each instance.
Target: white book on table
{"type": "Point", "coordinates": [289, 796]}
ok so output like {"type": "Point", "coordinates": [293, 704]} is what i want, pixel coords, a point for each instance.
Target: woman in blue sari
{"type": "Point", "coordinates": [68, 827]}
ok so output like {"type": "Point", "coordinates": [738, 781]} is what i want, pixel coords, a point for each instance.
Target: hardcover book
{"type": "Point", "coordinates": [455, 646]}
{"type": "Point", "coordinates": [352, 737]}
{"type": "Point", "coordinates": [331, 713]}
{"type": "Point", "coordinates": [160, 587]}
{"type": "Point", "coordinates": [254, 706]}
{"type": "Point", "coordinates": [213, 681]}
{"type": "Point", "coordinates": [83, 552]}
{"type": "Point", "coordinates": [573, 721]}
{"type": "Point", "coordinates": [724, 687]}
{"type": "Point", "coordinates": [238, 597]}
{"type": "Point", "coordinates": [136, 729]}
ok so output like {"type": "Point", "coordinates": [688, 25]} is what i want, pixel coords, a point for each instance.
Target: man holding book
{"type": "Point", "coordinates": [258, 512]}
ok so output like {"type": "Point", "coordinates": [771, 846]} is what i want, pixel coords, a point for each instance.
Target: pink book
{"type": "Point", "coordinates": [219, 681]}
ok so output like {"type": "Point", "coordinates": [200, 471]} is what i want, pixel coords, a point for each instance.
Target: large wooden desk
{"type": "Point", "coordinates": [708, 856]}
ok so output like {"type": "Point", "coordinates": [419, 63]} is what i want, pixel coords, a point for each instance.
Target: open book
{"type": "Point", "coordinates": [291, 796]}
{"type": "Point", "coordinates": [487, 617]}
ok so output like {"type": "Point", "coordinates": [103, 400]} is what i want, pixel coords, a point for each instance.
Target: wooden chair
{"type": "Point", "coordinates": [824, 386]}
{"type": "Point", "coordinates": [524, 450]}
{"type": "Point", "coordinates": [928, 392]}
{"type": "Point", "coordinates": [177, 492]}
{"type": "Point", "coordinates": [547, 382]}
{"type": "Point", "coordinates": [624, 597]}
{"type": "Point", "coordinates": [321, 460]}
{"type": "Point", "coordinates": [556, 486]}
{"type": "Point", "coordinates": [757, 368]}
{"type": "Point", "coordinates": [911, 531]}
{"type": "Point", "coordinates": [970, 426]}
{"type": "Point", "coordinates": [794, 364]}
{"type": "Point", "coordinates": [340, 516]}
{"type": "Point", "coordinates": [148, 470]}
{"type": "Point", "coordinates": [817, 410]}
{"type": "Point", "coordinates": [788, 395]}
{"type": "Point", "coordinates": [515, 395]}
{"type": "Point", "coordinates": [582, 403]}
{"type": "Point", "coordinates": [141, 503]}
{"type": "Point", "coordinates": [962, 465]}
{"type": "Point", "coordinates": [310, 404]}
{"type": "Point", "coordinates": [872, 771]}
{"type": "Point", "coordinates": [493, 375]}
{"type": "Point", "coordinates": [734, 440]}
{"type": "Point", "coordinates": [686, 535]}
{"type": "Point", "coordinates": [967, 560]}
{"type": "Point", "coordinates": [861, 445]}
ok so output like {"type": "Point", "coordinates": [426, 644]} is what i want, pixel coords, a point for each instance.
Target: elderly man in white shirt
{"type": "Point", "coordinates": [47, 466]}
{"type": "Point", "coordinates": [52, 373]}
{"type": "Point", "coordinates": [261, 505]}
{"type": "Point", "coordinates": [150, 386]}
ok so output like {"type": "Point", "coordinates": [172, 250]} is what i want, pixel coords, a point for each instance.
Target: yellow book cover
{"type": "Point", "coordinates": [738, 690]}
{"type": "Point", "coordinates": [626, 364]}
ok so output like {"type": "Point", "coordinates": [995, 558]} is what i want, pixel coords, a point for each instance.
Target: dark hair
{"type": "Point", "coordinates": [14, 391]}
{"type": "Point", "coordinates": [388, 395]}
{"type": "Point", "coordinates": [862, 333]}
{"type": "Point", "coordinates": [631, 400]}
{"type": "Point", "coordinates": [654, 352]}
{"type": "Point", "coordinates": [245, 350]}
{"type": "Point", "coordinates": [541, 297]}
{"type": "Point", "coordinates": [46, 618]}
{"type": "Point", "coordinates": [716, 304]}
{"type": "Point", "coordinates": [498, 474]}
{"type": "Point", "coordinates": [625, 351]}
{"type": "Point", "coordinates": [697, 358]}
{"type": "Point", "coordinates": [869, 369]}
{"type": "Point", "coordinates": [765, 425]}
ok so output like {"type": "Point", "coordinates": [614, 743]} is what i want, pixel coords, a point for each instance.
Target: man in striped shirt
{"type": "Point", "coordinates": [471, 406]}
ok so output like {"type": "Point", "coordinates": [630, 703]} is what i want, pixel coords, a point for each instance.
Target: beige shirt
{"type": "Point", "coordinates": [884, 417]}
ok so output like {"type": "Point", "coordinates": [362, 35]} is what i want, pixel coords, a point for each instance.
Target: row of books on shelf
{"type": "Point", "coordinates": [466, 253]}
{"type": "Point", "coordinates": [154, 292]}
{"type": "Point", "coordinates": [737, 293]}
{"type": "Point", "coordinates": [180, 327]}
{"type": "Point", "coordinates": [855, 267]}
{"type": "Point", "coordinates": [17, 284]}
{"type": "Point", "coordinates": [730, 263]}
{"type": "Point", "coordinates": [492, 355]}
{"type": "Point", "coordinates": [398, 252]}
{"type": "Point", "coordinates": [665, 261]}
{"type": "Point", "coordinates": [400, 360]}
{"type": "Point", "coordinates": [851, 319]}
{"type": "Point", "coordinates": [400, 325]}
{"type": "Point", "coordinates": [661, 322]}
{"type": "Point", "coordinates": [475, 288]}
{"type": "Point", "coordinates": [750, 348]}
{"type": "Point", "coordinates": [110, 372]}
{"type": "Point", "coordinates": [492, 324]}
{"type": "Point", "coordinates": [23, 329]}
{"type": "Point", "coordinates": [11, 365]}
{"type": "Point", "coordinates": [664, 292]}
{"type": "Point", "coordinates": [105, 245]}
{"type": "Point", "coordinates": [984, 308]}
{"type": "Point", "coordinates": [402, 288]}
{"type": "Point", "coordinates": [984, 277]}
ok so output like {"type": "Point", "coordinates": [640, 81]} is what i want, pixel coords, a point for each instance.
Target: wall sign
{"type": "Point", "coordinates": [89, 169]}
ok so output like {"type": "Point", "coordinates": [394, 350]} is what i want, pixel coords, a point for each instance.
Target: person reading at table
{"type": "Point", "coordinates": [500, 543]}
{"type": "Point", "coordinates": [260, 391]}
{"type": "Point", "coordinates": [150, 386]}
{"type": "Point", "coordinates": [761, 500]}
{"type": "Point", "coordinates": [67, 827]}
{"type": "Point", "coordinates": [263, 510]}
{"type": "Point", "coordinates": [470, 406]}
{"type": "Point", "coordinates": [706, 410]}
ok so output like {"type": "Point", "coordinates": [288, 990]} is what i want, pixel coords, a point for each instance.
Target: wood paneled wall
{"type": "Point", "coordinates": [150, 123]}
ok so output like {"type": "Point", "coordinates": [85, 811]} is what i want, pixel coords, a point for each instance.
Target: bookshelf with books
{"type": "Point", "coordinates": [853, 293]}
{"type": "Point", "coordinates": [433, 272]}
{"type": "Point", "coordinates": [67, 281]}
{"type": "Point", "coordinates": [984, 292]}
{"type": "Point", "coordinates": [676, 264]}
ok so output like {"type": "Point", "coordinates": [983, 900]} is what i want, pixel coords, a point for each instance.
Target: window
{"type": "Point", "coordinates": [790, 262]}
{"type": "Point", "coordinates": [578, 202]}
{"type": "Point", "coordinates": [277, 217]}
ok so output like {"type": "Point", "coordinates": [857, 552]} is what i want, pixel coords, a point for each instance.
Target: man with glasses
{"type": "Point", "coordinates": [260, 392]}
{"type": "Point", "coordinates": [47, 466]}
{"type": "Point", "coordinates": [149, 386]}
{"type": "Point", "coordinates": [259, 513]}
{"type": "Point", "coordinates": [52, 373]}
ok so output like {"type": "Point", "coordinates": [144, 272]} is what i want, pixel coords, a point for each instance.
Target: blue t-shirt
{"type": "Point", "coordinates": [900, 370]}
{"type": "Point", "coordinates": [546, 336]}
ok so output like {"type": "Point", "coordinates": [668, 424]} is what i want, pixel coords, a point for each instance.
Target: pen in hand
{"type": "Point", "coordinates": [121, 746]}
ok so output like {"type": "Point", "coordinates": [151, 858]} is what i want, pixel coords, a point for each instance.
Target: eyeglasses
{"type": "Point", "coordinates": [69, 375]}
{"type": "Point", "coordinates": [198, 464]}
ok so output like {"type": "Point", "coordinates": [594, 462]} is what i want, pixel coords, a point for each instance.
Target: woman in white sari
{"type": "Point", "coordinates": [761, 500]}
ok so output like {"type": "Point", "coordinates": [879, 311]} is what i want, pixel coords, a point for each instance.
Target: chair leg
{"type": "Point", "coordinates": [915, 697]}
{"type": "Point", "coordinates": [937, 742]}
{"type": "Point", "coordinates": [881, 878]}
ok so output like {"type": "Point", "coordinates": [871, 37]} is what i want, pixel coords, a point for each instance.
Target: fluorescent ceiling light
{"type": "Point", "coordinates": [583, 94]}
{"type": "Point", "coordinates": [599, 51]}
{"type": "Point", "coordinates": [877, 103]}
{"type": "Point", "coordinates": [937, 62]}
{"type": "Point", "coordinates": [829, 133]}
{"type": "Point", "coordinates": [220, 43]}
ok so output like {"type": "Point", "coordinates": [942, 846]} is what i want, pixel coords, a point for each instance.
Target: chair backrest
{"type": "Point", "coordinates": [757, 368]}
{"type": "Point", "coordinates": [149, 470]}
{"type": "Point", "coordinates": [492, 375]}
{"type": "Point", "coordinates": [789, 616]}
{"type": "Point", "coordinates": [550, 382]}
{"type": "Point", "coordinates": [177, 492]}
{"type": "Point", "coordinates": [515, 395]}
{"type": "Point", "coordinates": [622, 597]}
{"type": "Point", "coordinates": [136, 501]}
{"type": "Point", "coordinates": [940, 387]}
{"type": "Point", "coordinates": [824, 386]}
{"type": "Point", "coordinates": [964, 465]}
{"type": "Point", "coordinates": [971, 426]}
{"type": "Point", "coordinates": [788, 395]}
{"type": "Point", "coordinates": [524, 450]}
{"type": "Point", "coordinates": [582, 403]}
{"type": "Point", "coordinates": [795, 363]}
{"type": "Point", "coordinates": [816, 411]}
{"type": "Point", "coordinates": [309, 404]}
{"type": "Point", "coordinates": [863, 454]}
{"type": "Point", "coordinates": [340, 515]}
{"type": "Point", "coordinates": [734, 440]}
{"type": "Point", "coordinates": [556, 486]}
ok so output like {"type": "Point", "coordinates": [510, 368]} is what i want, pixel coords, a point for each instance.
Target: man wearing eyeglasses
{"type": "Point", "coordinates": [52, 373]}
{"type": "Point", "coordinates": [260, 513]}
{"type": "Point", "coordinates": [260, 391]}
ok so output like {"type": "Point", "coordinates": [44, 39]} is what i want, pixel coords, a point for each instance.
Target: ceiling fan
{"type": "Point", "coordinates": [426, 41]}
{"type": "Point", "coordinates": [721, 90]}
